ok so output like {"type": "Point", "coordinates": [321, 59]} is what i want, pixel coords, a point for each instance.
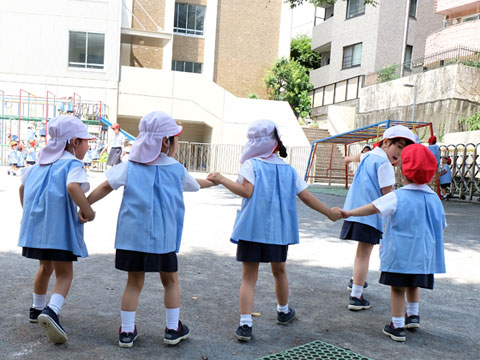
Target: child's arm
{"type": "Point", "coordinates": [79, 198]}
{"type": "Point", "coordinates": [311, 201]}
{"type": "Point", "coordinates": [21, 191]}
{"type": "Point", "coordinates": [364, 210]}
{"type": "Point", "coordinates": [444, 171]}
{"type": "Point", "coordinates": [100, 192]}
{"type": "Point", "coordinates": [205, 183]}
{"type": "Point", "coordinates": [387, 189]}
{"type": "Point", "coordinates": [244, 190]}
{"type": "Point", "coordinates": [354, 158]}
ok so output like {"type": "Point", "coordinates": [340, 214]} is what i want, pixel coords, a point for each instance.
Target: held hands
{"type": "Point", "coordinates": [215, 178]}
{"type": "Point", "coordinates": [89, 216]}
{"type": "Point", "coordinates": [345, 213]}
{"type": "Point", "coordinates": [335, 214]}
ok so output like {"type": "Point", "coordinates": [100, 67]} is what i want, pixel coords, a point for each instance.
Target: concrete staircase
{"type": "Point", "coordinates": [320, 172]}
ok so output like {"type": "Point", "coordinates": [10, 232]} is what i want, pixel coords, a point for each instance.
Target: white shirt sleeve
{"type": "Point", "coordinates": [189, 182]}
{"type": "Point", "coordinates": [387, 204]}
{"type": "Point", "coordinates": [24, 174]}
{"type": "Point", "coordinates": [78, 175]}
{"type": "Point", "coordinates": [386, 175]}
{"type": "Point", "coordinates": [246, 172]}
{"type": "Point", "coordinates": [117, 175]}
{"type": "Point", "coordinates": [301, 184]}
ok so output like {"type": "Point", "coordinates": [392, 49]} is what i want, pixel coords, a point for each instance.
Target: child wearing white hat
{"type": "Point", "coordinates": [267, 222]}
{"type": "Point", "coordinates": [150, 221]}
{"type": "Point", "coordinates": [374, 177]}
{"type": "Point", "coordinates": [51, 231]}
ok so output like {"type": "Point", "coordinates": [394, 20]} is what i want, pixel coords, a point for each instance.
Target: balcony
{"type": "Point", "coordinates": [463, 34]}
{"type": "Point", "coordinates": [454, 7]}
{"type": "Point", "coordinates": [322, 35]}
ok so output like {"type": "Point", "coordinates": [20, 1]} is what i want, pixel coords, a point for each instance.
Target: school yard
{"type": "Point", "coordinates": [318, 268]}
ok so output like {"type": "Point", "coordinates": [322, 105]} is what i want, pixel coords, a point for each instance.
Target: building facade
{"type": "Point", "coordinates": [356, 40]}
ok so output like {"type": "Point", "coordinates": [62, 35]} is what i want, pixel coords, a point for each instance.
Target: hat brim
{"type": "Point", "coordinates": [52, 152]}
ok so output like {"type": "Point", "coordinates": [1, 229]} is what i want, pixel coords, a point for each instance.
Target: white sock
{"type": "Point", "coordinates": [412, 308]}
{"type": "Point", "coordinates": [283, 308]}
{"type": "Point", "coordinates": [128, 321]}
{"type": "Point", "coordinates": [357, 291]}
{"type": "Point", "coordinates": [246, 319]}
{"type": "Point", "coordinates": [56, 303]}
{"type": "Point", "coordinates": [39, 301]}
{"type": "Point", "coordinates": [398, 322]}
{"type": "Point", "coordinates": [173, 316]}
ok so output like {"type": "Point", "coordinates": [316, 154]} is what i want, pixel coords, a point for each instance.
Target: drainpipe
{"type": "Point", "coordinates": [405, 35]}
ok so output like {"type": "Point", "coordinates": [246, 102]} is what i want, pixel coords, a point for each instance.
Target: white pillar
{"type": "Point", "coordinates": [168, 49]}
{"type": "Point", "coordinates": [210, 33]}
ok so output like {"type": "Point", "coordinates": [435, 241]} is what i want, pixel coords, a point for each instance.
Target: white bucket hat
{"type": "Point", "coordinates": [153, 128]}
{"type": "Point", "coordinates": [62, 129]}
{"type": "Point", "coordinates": [399, 131]}
{"type": "Point", "coordinates": [261, 140]}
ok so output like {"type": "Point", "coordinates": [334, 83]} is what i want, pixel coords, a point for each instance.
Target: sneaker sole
{"type": "Point", "coordinates": [287, 322]}
{"type": "Point", "coordinates": [412, 326]}
{"type": "Point", "coordinates": [358, 307]}
{"type": "Point", "coordinates": [127, 345]}
{"type": "Point", "coordinates": [34, 321]}
{"type": "Point", "coordinates": [176, 341]}
{"type": "Point", "coordinates": [55, 333]}
{"type": "Point", "coordinates": [393, 337]}
{"type": "Point", "coordinates": [242, 338]}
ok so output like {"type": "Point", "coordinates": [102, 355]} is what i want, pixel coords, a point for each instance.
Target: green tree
{"type": "Point", "coordinates": [295, 3]}
{"type": "Point", "coordinates": [301, 51]}
{"type": "Point", "coordinates": [287, 80]}
{"type": "Point", "coordinates": [388, 73]}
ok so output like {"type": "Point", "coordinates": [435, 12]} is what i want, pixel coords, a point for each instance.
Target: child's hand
{"type": "Point", "coordinates": [335, 214]}
{"type": "Point", "coordinates": [82, 217]}
{"type": "Point", "coordinates": [348, 160]}
{"type": "Point", "coordinates": [345, 213]}
{"type": "Point", "coordinates": [85, 217]}
{"type": "Point", "coordinates": [216, 177]}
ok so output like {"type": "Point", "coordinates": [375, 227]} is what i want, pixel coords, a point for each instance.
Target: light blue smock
{"type": "Point", "coordinates": [32, 156]}
{"type": "Point", "coordinates": [413, 240]}
{"type": "Point", "coordinates": [365, 188]}
{"type": "Point", "coordinates": [12, 156]}
{"type": "Point", "coordinates": [50, 219]}
{"type": "Point", "coordinates": [20, 158]}
{"type": "Point", "coordinates": [151, 215]}
{"type": "Point", "coordinates": [269, 216]}
{"type": "Point", "coordinates": [447, 177]}
{"type": "Point", "coordinates": [435, 149]}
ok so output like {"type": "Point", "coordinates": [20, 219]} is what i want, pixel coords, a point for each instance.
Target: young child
{"type": "Point", "coordinates": [267, 222]}
{"type": "Point", "coordinates": [434, 148]}
{"type": "Point", "coordinates": [12, 158]}
{"type": "Point", "coordinates": [150, 221]}
{"type": "Point", "coordinates": [87, 160]}
{"type": "Point", "coordinates": [374, 177]}
{"type": "Point", "coordinates": [51, 230]}
{"type": "Point", "coordinates": [445, 176]}
{"type": "Point", "coordinates": [412, 248]}
{"type": "Point", "coordinates": [20, 157]}
{"type": "Point", "coordinates": [31, 154]}
{"type": "Point", "coordinates": [366, 148]}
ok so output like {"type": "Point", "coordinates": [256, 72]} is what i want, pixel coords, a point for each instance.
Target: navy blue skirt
{"type": "Point", "coordinates": [249, 251]}
{"type": "Point", "coordinates": [48, 254]}
{"type": "Point", "coordinates": [127, 260]}
{"type": "Point", "coordinates": [424, 281]}
{"type": "Point", "coordinates": [360, 232]}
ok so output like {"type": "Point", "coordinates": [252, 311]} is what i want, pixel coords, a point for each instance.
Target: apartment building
{"type": "Point", "coordinates": [356, 40]}
{"type": "Point", "coordinates": [461, 28]}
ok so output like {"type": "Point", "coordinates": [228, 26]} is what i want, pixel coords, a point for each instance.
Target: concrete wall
{"type": "Point", "coordinates": [442, 102]}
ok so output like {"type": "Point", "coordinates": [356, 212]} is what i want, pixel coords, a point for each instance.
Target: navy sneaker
{"type": "Point", "coordinates": [126, 339]}
{"type": "Point", "coordinates": [412, 321]}
{"type": "Point", "coordinates": [284, 319]}
{"type": "Point", "coordinates": [397, 334]}
{"type": "Point", "coordinates": [350, 283]}
{"type": "Point", "coordinates": [49, 321]}
{"type": "Point", "coordinates": [356, 304]}
{"type": "Point", "coordinates": [33, 316]}
{"type": "Point", "coordinates": [244, 333]}
{"type": "Point", "coordinates": [173, 337]}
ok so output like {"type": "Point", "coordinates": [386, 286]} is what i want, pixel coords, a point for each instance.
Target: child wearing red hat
{"type": "Point", "coordinates": [434, 148]}
{"type": "Point", "coordinates": [412, 248]}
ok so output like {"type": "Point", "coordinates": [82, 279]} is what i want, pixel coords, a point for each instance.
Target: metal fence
{"type": "Point", "coordinates": [465, 168]}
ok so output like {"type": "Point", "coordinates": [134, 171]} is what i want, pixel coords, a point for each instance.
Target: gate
{"type": "Point", "coordinates": [194, 156]}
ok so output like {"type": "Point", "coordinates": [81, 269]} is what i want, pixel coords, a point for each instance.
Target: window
{"type": "Point", "coordinates": [187, 66]}
{"type": "Point", "coordinates": [407, 64]}
{"type": "Point", "coordinates": [86, 50]}
{"type": "Point", "coordinates": [355, 8]}
{"type": "Point", "coordinates": [413, 8]}
{"type": "Point", "coordinates": [352, 56]}
{"type": "Point", "coordinates": [189, 19]}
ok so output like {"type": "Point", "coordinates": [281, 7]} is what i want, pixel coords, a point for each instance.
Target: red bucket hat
{"type": "Point", "coordinates": [432, 139]}
{"type": "Point", "coordinates": [418, 163]}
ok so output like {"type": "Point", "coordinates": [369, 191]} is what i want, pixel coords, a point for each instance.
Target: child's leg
{"type": "Point", "coordinates": [279, 272]}
{"type": "Point", "coordinates": [64, 276]}
{"type": "Point", "coordinates": [397, 301]}
{"type": "Point", "coordinates": [130, 297]}
{"type": "Point", "coordinates": [360, 268]}
{"type": "Point", "coordinates": [40, 284]}
{"type": "Point", "coordinates": [412, 320]}
{"type": "Point", "coordinates": [247, 289]}
{"type": "Point", "coordinates": [171, 298]}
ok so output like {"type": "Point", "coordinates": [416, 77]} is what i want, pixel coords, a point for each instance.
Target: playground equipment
{"type": "Point", "coordinates": [37, 111]}
{"type": "Point", "coordinates": [368, 134]}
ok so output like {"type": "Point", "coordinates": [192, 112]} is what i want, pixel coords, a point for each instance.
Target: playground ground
{"type": "Point", "coordinates": [318, 269]}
